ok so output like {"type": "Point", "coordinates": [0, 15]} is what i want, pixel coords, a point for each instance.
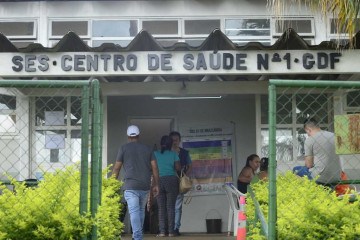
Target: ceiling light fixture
{"type": "Point", "coordinates": [186, 97]}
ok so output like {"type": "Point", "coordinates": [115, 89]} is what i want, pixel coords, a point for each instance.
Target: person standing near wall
{"type": "Point", "coordinates": [264, 165]}
{"type": "Point", "coordinates": [248, 172]}
{"type": "Point", "coordinates": [185, 162]}
{"type": "Point", "coordinates": [139, 164]}
{"type": "Point", "coordinates": [320, 155]}
{"type": "Point", "coordinates": [168, 162]}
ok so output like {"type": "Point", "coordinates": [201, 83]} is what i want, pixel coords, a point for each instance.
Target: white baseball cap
{"type": "Point", "coordinates": [133, 131]}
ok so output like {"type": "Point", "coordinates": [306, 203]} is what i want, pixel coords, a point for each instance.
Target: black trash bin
{"type": "Point", "coordinates": [30, 182]}
{"type": "Point", "coordinates": [213, 225]}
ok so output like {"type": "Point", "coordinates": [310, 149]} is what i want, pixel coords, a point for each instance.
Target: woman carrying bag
{"type": "Point", "coordinates": [186, 166]}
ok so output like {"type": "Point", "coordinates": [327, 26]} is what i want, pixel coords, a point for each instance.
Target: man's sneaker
{"type": "Point", "coordinates": [176, 232]}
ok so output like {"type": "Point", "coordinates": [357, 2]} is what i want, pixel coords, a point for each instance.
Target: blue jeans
{"type": "Point", "coordinates": [178, 210]}
{"type": "Point", "coordinates": [136, 201]}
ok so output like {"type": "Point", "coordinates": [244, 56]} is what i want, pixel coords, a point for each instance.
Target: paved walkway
{"type": "Point", "coordinates": [186, 236]}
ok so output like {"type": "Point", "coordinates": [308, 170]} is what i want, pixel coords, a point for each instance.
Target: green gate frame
{"type": "Point", "coordinates": [273, 84]}
{"type": "Point", "coordinates": [90, 102]}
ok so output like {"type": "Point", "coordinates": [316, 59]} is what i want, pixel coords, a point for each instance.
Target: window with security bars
{"type": "Point", "coordinates": [352, 101]}
{"type": "Point", "coordinates": [291, 112]}
{"type": "Point", "coordinates": [57, 135]}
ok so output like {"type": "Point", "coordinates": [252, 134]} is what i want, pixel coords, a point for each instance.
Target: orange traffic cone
{"type": "Point", "coordinates": [241, 231]}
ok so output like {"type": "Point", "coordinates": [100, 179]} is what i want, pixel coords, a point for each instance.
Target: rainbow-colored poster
{"type": "Point", "coordinates": [211, 163]}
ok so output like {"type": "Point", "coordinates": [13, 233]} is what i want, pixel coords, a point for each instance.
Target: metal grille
{"type": "Point", "coordinates": [49, 133]}
{"type": "Point", "coordinates": [317, 201]}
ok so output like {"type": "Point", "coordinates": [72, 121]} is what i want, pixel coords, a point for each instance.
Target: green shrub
{"type": "Point", "coordinates": [306, 210]}
{"type": "Point", "coordinates": [51, 210]}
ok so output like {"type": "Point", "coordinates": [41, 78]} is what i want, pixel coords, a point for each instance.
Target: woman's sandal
{"type": "Point", "coordinates": [161, 235]}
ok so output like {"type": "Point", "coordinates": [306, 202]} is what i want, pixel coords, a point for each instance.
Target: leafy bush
{"type": "Point", "coordinates": [51, 210]}
{"type": "Point", "coordinates": [306, 210]}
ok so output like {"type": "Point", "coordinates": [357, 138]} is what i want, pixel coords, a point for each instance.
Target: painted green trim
{"type": "Point", "coordinates": [84, 172]}
{"type": "Point", "coordinates": [95, 154]}
{"type": "Point", "coordinates": [314, 84]}
{"type": "Point", "coordinates": [272, 218]}
{"type": "Point", "coordinates": [44, 83]}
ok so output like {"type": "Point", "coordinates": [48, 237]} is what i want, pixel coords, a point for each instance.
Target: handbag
{"type": "Point", "coordinates": [185, 183]}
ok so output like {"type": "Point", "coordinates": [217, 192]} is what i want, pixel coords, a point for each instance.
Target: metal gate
{"type": "Point", "coordinates": [48, 126]}
{"type": "Point", "coordinates": [335, 108]}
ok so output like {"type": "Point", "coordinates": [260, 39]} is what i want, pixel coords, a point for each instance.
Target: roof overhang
{"type": "Point", "coordinates": [146, 60]}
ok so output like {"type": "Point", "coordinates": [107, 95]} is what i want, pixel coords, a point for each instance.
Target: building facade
{"type": "Point", "coordinates": [202, 73]}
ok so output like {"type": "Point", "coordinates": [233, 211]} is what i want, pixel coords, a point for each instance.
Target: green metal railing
{"type": "Point", "coordinates": [258, 213]}
{"type": "Point", "coordinates": [272, 162]}
{"type": "Point", "coordinates": [95, 156]}
{"type": "Point", "coordinates": [84, 185]}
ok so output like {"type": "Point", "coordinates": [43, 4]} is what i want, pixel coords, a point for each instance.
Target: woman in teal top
{"type": "Point", "coordinates": [168, 163]}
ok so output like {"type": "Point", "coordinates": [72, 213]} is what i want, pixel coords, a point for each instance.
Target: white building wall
{"type": "Point", "coordinates": [133, 8]}
{"type": "Point", "coordinates": [240, 110]}
{"type": "Point", "coordinates": [44, 10]}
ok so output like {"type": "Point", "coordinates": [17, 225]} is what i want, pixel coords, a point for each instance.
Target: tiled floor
{"type": "Point", "coordinates": [186, 236]}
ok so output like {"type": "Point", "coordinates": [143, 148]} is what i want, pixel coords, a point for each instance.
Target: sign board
{"type": "Point", "coordinates": [55, 141]}
{"type": "Point", "coordinates": [179, 62]}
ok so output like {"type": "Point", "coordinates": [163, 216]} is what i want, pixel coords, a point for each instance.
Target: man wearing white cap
{"type": "Point", "coordinates": [138, 164]}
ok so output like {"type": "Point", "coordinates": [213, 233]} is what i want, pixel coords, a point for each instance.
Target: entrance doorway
{"type": "Point", "coordinates": [151, 131]}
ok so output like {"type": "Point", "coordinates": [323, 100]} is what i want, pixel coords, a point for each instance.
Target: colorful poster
{"type": "Point", "coordinates": [347, 133]}
{"type": "Point", "coordinates": [211, 163]}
